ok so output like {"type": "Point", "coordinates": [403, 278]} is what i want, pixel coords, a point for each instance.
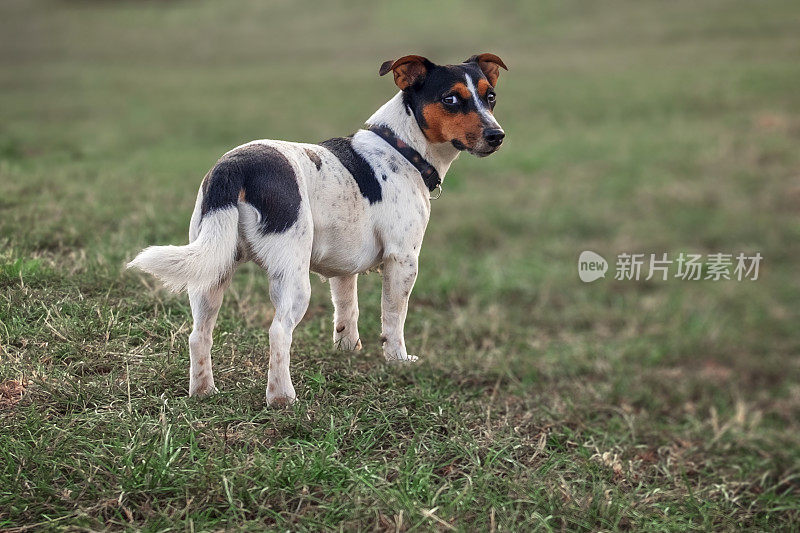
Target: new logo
{"type": "Point", "coordinates": [591, 266]}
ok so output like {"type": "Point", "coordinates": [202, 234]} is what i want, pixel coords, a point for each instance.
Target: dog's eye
{"type": "Point", "coordinates": [490, 98]}
{"type": "Point", "coordinates": [450, 100]}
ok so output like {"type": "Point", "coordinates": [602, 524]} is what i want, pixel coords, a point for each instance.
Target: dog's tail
{"type": "Point", "coordinates": [203, 263]}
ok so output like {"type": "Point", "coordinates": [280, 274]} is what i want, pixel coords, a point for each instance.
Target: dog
{"type": "Point", "coordinates": [338, 208]}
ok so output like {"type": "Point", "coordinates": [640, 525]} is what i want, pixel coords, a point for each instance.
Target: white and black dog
{"type": "Point", "coordinates": [338, 208]}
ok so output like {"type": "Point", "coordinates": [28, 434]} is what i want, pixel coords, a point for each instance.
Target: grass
{"type": "Point", "coordinates": [540, 403]}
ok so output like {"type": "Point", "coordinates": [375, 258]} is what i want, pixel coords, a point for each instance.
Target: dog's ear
{"type": "Point", "coordinates": [490, 65]}
{"type": "Point", "coordinates": [407, 70]}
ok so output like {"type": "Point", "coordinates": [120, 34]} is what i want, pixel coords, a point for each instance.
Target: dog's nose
{"type": "Point", "coordinates": [494, 137]}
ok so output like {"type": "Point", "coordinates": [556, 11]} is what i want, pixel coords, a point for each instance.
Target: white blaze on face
{"type": "Point", "coordinates": [483, 110]}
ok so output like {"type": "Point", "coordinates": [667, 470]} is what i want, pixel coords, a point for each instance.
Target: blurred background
{"type": "Point", "coordinates": [648, 127]}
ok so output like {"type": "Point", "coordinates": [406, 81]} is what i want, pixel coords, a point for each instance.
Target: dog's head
{"type": "Point", "coordinates": [452, 103]}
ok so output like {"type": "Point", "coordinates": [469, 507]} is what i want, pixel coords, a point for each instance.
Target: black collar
{"type": "Point", "coordinates": [429, 174]}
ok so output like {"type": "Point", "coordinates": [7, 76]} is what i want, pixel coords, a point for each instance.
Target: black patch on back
{"type": "Point", "coordinates": [267, 179]}
{"type": "Point", "coordinates": [368, 184]}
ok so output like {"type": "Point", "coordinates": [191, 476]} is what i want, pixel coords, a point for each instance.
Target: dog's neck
{"type": "Point", "coordinates": [401, 121]}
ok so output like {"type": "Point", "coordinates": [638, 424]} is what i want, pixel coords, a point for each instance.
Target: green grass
{"type": "Point", "coordinates": [540, 402]}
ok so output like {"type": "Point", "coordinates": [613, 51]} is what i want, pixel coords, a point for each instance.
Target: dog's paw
{"type": "Point", "coordinates": [395, 353]}
{"type": "Point", "coordinates": [347, 339]}
{"type": "Point", "coordinates": [407, 360]}
{"type": "Point", "coordinates": [281, 401]}
{"type": "Point", "coordinates": [202, 388]}
{"type": "Point", "coordinates": [280, 395]}
{"type": "Point", "coordinates": [347, 344]}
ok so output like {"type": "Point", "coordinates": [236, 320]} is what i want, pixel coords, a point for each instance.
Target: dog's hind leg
{"type": "Point", "coordinates": [344, 294]}
{"type": "Point", "coordinates": [286, 256]}
{"type": "Point", "coordinates": [205, 305]}
{"type": "Point", "coordinates": [289, 291]}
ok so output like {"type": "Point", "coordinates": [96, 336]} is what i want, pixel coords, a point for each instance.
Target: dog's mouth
{"type": "Point", "coordinates": [483, 153]}
{"type": "Point", "coordinates": [482, 150]}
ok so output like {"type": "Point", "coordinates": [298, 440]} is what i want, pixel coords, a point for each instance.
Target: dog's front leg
{"type": "Point", "coordinates": [344, 294]}
{"type": "Point", "coordinates": [399, 274]}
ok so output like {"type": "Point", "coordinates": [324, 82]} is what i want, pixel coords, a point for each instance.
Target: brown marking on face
{"type": "Point", "coordinates": [443, 126]}
{"type": "Point", "coordinates": [241, 195]}
{"type": "Point", "coordinates": [483, 87]}
{"type": "Point", "coordinates": [462, 91]}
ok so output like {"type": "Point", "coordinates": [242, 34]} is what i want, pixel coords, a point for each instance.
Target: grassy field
{"type": "Point", "coordinates": [540, 402]}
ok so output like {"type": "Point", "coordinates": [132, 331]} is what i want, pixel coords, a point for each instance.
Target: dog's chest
{"type": "Point", "coordinates": [355, 221]}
